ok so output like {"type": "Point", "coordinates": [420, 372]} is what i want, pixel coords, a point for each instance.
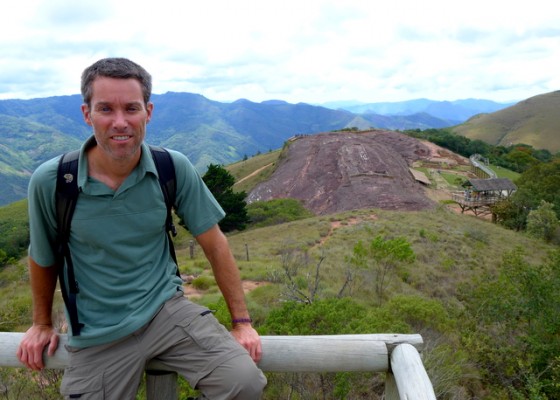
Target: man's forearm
{"type": "Point", "coordinates": [228, 279]}
{"type": "Point", "coordinates": [43, 285]}
{"type": "Point", "coordinates": [216, 248]}
{"type": "Point", "coordinates": [226, 273]}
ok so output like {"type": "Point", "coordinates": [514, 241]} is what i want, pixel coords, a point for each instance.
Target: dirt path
{"type": "Point", "coordinates": [253, 173]}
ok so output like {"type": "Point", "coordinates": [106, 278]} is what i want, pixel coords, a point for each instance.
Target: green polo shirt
{"type": "Point", "coordinates": [118, 243]}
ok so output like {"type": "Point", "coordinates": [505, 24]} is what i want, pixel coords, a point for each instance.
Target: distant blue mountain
{"type": "Point", "coordinates": [455, 112]}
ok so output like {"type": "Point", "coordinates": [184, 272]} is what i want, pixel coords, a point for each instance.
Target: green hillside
{"type": "Point", "coordinates": [535, 121]}
{"type": "Point", "coordinates": [14, 231]}
{"type": "Point", "coordinates": [452, 253]}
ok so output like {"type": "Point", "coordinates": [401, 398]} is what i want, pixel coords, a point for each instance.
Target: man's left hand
{"type": "Point", "coordinates": [248, 337]}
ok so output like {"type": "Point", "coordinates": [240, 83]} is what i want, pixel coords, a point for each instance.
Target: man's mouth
{"type": "Point", "coordinates": [122, 137]}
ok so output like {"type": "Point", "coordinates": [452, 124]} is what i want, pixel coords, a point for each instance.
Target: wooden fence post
{"type": "Point", "coordinates": [408, 378]}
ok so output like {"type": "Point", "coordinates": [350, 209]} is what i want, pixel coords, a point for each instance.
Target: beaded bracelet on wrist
{"type": "Point", "coordinates": [241, 321]}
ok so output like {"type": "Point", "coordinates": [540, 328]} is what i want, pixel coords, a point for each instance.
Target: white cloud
{"type": "Point", "coordinates": [311, 51]}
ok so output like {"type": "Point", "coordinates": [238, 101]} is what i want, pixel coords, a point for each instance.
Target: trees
{"type": "Point", "coordinates": [520, 159]}
{"type": "Point", "coordinates": [543, 222]}
{"type": "Point", "coordinates": [220, 182]}
{"type": "Point", "coordinates": [511, 326]}
{"type": "Point", "coordinates": [539, 183]}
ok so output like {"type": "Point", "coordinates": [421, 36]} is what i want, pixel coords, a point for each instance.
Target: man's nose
{"type": "Point", "coordinates": [120, 121]}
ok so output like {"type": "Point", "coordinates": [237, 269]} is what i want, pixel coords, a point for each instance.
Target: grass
{"type": "Point", "coordinates": [454, 180]}
{"type": "Point", "coordinates": [450, 249]}
{"type": "Point", "coordinates": [243, 171]}
{"type": "Point", "coordinates": [15, 229]}
{"type": "Point", "coordinates": [504, 173]}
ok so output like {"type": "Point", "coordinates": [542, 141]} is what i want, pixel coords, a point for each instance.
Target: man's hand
{"type": "Point", "coordinates": [36, 339]}
{"type": "Point", "coordinates": [248, 338]}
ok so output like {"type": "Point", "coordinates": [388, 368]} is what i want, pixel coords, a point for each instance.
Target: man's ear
{"type": "Point", "coordinates": [149, 110]}
{"type": "Point", "coordinates": [86, 114]}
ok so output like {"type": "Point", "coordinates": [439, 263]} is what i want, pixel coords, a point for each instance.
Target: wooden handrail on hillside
{"type": "Point", "coordinates": [395, 354]}
{"type": "Point", "coordinates": [482, 169]}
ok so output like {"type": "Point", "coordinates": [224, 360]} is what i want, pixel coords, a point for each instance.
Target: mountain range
{"type": "Point", "coordinates": [207, 131]}
{"type": "Point", "coordinates": [455, 112]}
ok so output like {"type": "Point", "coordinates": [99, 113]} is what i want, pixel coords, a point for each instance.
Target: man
{"type": "Point", "coordinates": [130, 299]}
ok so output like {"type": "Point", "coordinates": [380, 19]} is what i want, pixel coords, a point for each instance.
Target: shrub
{"type": "Point", "coordinates": [543, 222]}
{"type": "Point", "coordinates": [275, 212]}
{"type": "Point", "coordinates": [511, 326]}
{"type": "Point", "coordinates": [203, 282]}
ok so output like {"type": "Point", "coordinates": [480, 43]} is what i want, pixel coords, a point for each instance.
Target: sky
{"type": "Point", "coordinates": [312, 51]}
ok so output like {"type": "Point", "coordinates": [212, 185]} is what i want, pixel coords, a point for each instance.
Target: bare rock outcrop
{"type": "Point", "coordinates": [339, 171]}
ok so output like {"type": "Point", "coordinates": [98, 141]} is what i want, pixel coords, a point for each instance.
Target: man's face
{"type": "Point", "coordinates": [118, 116]}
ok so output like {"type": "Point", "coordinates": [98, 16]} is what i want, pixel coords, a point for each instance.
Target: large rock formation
{"type": "Point", "coordinates": [339, 171]}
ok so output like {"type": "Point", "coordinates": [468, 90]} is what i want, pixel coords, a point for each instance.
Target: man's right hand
{"type": "Point", "coordinates": [36, 339]}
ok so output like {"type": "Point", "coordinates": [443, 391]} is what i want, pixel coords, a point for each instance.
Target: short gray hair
{"type": "Point", "coordinates": [120, 68]}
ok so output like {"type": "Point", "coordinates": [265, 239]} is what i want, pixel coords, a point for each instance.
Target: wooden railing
{"type": "Point", "coordinates": [394, 354]}
{"type": "Point", "coordinates": [474, 200]}
{"type": "Point", "coordinates": [481, 170]}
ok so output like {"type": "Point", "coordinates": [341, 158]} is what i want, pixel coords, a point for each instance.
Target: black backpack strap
{"type": "Point", "coordinates": [66, 198]}
{"type": "Point", "coordinates": [168, 182]}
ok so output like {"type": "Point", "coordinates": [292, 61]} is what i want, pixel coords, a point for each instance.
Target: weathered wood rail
{"type": "Point", "coordinates": [394, 354]}
{"type": "Point", "coordinates": [480, 169]}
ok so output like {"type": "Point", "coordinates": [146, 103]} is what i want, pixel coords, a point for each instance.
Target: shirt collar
{"type": "Point", "coordinates": [146, 164]}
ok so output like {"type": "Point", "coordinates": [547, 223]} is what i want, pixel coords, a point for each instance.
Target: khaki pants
{"type": "Point", "coordinates": [185, 337]}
